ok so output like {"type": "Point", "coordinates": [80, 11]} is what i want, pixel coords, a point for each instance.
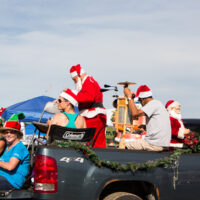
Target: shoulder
{"type": "Point", "coordinates": [20, 150]}
{"type": "Point", "coordinates": [90, 79]}
{"type": "Point", "coordinates": [20, 145]}
{"type": "Point", "coordinates": [80, 121]}
{"type": "Point", "coordinates": [59, 116]}
{"type": "Point", "coordinates": [80, 118]}
{"type": "Point", "coordinates": [155, 102]}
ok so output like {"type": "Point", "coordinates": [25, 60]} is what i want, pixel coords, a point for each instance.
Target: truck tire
{"type": "Point", "coordinates": [122, 196]}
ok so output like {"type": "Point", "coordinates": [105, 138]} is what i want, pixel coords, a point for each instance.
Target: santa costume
{"type": "Point", "coordinates": [177, 126]}
{"type": "Point", "coordinates": [90, 100]}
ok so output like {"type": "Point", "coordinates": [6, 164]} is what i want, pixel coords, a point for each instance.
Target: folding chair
{"type": "Point", "coordinates": [61, 133]}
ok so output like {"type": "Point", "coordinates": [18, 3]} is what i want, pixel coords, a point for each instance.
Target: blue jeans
{"type": "Point", "coordinates": [4, 184]}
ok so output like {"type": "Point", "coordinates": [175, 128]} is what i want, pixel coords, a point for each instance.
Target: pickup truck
{"type": "Point", "coordinates": [62, 172]}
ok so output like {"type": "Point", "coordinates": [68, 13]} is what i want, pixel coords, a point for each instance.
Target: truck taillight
{"type": "Point", "coordinates": [45, 174]}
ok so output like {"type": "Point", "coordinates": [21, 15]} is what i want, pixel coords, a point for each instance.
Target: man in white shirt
{"type": "Point", "coordinates": [158, 126]}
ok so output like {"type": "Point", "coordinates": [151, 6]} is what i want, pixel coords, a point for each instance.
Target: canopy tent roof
{"type": "Point", "coordinates": [32, 108]}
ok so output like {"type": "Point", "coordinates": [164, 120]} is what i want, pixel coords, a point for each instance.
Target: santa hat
{"type": "Point", "coordinates": [70, 95]}
{"type": "Point", "coordinates": [143, 92]}
{"type": "Point", "coordinates": [171, 104]}
{"type": "Point", "coordinates": [13, 123]}
{"type": "Point", "coordinates": [76, 71]}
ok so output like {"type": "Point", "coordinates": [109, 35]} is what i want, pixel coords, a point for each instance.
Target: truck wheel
{"type": "Point", "coordinates": [122, 196]}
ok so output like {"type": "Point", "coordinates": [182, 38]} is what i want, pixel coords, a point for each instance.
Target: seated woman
{"type": "Point", "coordinates": [178, 129]}
{"type": "Point", "coordinates": [68, 117]}
{"type": "Point", "coordinates": [14, 163]}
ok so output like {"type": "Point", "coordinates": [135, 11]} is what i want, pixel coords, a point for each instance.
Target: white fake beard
{"type": "Point", "coordinates": [78, 85]}
{"type": "Point", "coordinates": [175, 115]}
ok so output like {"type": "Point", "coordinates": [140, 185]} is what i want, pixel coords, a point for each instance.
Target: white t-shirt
{"type": "Point", "coordinates": [157, 124]}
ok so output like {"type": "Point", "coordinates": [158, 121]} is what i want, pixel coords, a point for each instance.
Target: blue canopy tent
{"type": "Point", "coordinates": [32, 109]}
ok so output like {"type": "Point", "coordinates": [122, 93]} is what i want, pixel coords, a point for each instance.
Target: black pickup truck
{"type": "Point", "coordinates": [65, 173]}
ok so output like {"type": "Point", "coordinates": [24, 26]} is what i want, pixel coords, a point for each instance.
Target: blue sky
{"type": "Point", "coordinates": [153, 42]}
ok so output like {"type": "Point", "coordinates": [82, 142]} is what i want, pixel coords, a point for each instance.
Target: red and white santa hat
{"type": "Point", "coordinates": [143, 92]}
{"type": "Point", "coordinates": [171, 104]}
{"type": "Point", "coordinates": [76, 70]}
{"type": "Point", "coordinates": [70, 95]}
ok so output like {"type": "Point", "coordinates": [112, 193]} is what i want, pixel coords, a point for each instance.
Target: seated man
{"type": "Point", "coordinates": [157, 121]}
{"type": "Point", "coordinates": [68, 117]}
{"type": "Point", "coordinates": [178, 129]}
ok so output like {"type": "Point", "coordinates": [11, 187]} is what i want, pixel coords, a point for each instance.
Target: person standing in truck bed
{"type": "Point", "coordinates": [158, 128]}
{"type": "Point", "coordinates": [90, 104]}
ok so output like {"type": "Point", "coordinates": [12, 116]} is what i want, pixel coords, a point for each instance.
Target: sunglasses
{"type": "Point", "coordinates": [59, 101]}
{"type": "Point", "coordinates": [11, 132]}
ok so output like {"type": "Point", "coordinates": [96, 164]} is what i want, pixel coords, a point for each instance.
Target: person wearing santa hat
{"type": "Point", "coordinates": [178, 129]}
{"type": "Point", "coordinates": [67, 117]}
{"type": "Point", "coordinates": [14, 163]}
{"type": "Point", "coordinates": [158, 128]}
{"type": "Point", "coordinates": [90, 104]}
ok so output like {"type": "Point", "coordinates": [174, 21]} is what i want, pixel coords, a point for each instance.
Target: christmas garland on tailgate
{"type": "Point", "coordinates": [192, 141]}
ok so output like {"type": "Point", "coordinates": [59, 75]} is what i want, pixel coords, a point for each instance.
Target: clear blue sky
{"type": "Point", "coordinates": [153, 42]}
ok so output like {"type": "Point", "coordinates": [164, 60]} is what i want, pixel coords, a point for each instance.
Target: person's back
{"type": "Point", "coordinates": [157, 124]}
{"type": "Point", "coordinates": [70, 120]}
{"type": "Point", "coordinates": [90, 94]}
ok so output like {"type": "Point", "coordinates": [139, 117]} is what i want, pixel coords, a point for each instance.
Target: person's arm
{"type": "Point", "coordinates": [135, 113]}
{"type": "Point", "coordinates": [2, 146]}
{"type": "Point", "coordinates": [49, 123]}
{"type": "Point", "coordinates": [10, 165]}
{"type": "Point", "coordinates": [58, 119]}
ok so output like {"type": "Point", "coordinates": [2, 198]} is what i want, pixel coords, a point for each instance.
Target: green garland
{"type": "Point", "coordinates": [116, 166]}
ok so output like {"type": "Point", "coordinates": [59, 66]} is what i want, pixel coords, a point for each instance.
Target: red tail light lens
{"type": "Point", "coordinates": [45, 174]}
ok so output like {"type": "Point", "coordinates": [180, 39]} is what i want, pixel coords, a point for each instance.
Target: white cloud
{"type": "Point", "coordinates": [157, 45]}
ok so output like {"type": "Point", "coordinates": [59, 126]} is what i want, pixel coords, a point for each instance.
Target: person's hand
{"type": "Point", "coordinates": [55, 101]}
{"type": "Point", "coordinates": [127, 92]}
{"type": "Point", "coordinates": [46, 137]}
{"type": "Point", "coordinates": [49, 122]}
{"type": "Point", "coordinates": [186, 131]}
